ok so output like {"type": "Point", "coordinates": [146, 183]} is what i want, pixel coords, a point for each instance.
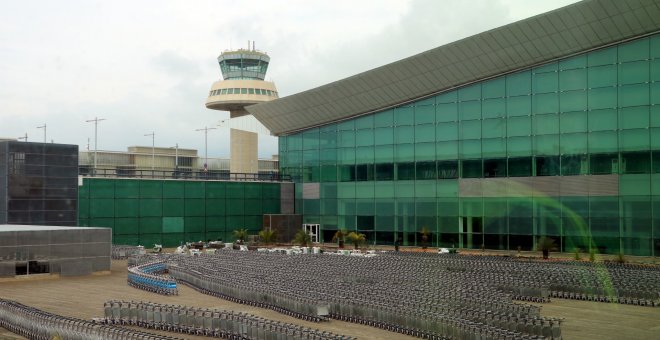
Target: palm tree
{"type": "Point", "coordinates": [240, 235]}
{"type": "Point", "coordinates": [268, 236]}
{"type": "Point", "coordinates": [546, 245]}
{"type": "Point", "coordinates": [356, 238]}
{"type": "Point", "coordinates": [425, 236]}
{"type": "Point", "coordinates": [340, 237]}
{"type": "Point", "coordinates": [302, 238]}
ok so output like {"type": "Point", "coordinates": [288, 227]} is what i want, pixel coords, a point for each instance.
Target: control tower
{"type": "Point", "coordinates": [243, 84]}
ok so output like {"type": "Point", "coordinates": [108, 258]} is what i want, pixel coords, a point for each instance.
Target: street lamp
{"type": "Point", "coordinates": [43, 127]}
{"type": "Point", "coordinates": [206, 132]}
{"type": "Point", "coordinates": [153, 151]}
{"type": "Point", "coordinates": [96, 121]}
{"type": "Point", "coordinates": [23, 138]}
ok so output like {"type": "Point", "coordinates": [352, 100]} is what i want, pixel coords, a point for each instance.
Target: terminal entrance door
{"type": "Point", "coordinates": [313, 231]}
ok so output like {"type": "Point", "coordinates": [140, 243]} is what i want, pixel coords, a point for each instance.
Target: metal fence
{"type": "Point", "coordinates": [217, 175]}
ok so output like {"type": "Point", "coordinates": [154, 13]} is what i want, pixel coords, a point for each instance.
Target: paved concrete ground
{"type": "Point", "coordinates": [83, 297]}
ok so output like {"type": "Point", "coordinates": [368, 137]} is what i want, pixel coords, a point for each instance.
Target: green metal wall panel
{"type": "Point", "coordinates": [126, 226]}
{"type": "Point", "coordinates": [127, 189]}
{"type": "Point", "coordinates": [194, 224]}
{"type": "Point", "coordinates": [102, 207]}
{"type": "Point", "coordinates": [195, 207]}
{"type": "Point", "coordinates": [151, 207]}
{"type": "Point", "coordinates": [173, 189]}
{"type": "Point", "coordinates": [126, 239]}
{"type": "Point", "coordinates": [173, 239]}
{"type": "Point", "coordinates": [235, 222]}
{"type": "Point", "coordinates": [252, 190]}
{"type": "Point", "coordinates": [151, 225]}
{"type": "Point", "coordinates": [235, 190]}
{"type": "Point", "coordinates": [102, 222]}
{"type": "Point", "coordinates": [195, 236]}
{"type": "Point", "coordinates": [127, 207]}
{"type": "Point", "coordinates": [102, 188]}
{"type": "Point", "coordinates": [215, 189]}
{"type": "Point", "coordinates": [215, 223]}
{"type": "Point", "coordinates": [173, 207]}
{"type": "Point", "coordinates": [215, 207]}
{"type": "Point", "coordinates": [194, 189]}
{"type": "Point", "coordinates": [151, 189]}
{"type": "Point", "coordinates": [173, 225]}
{"type": "Point", "coordinates": [148, 240]}
{"type": "Point", "coordinates": [83, 207]}
{"type": "Point", "coordinates": [253, 206]}
{"type": "Point", "coordinates": [235, 206]}
{"type": "Point", "coordinates": [216, 235]}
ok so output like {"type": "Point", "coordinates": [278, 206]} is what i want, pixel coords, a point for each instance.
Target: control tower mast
{"type": "Point", "coordinates": [243, 84]}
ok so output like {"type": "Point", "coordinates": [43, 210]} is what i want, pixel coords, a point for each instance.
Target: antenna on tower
{"type": "Point", "coordinates": [253, 49]}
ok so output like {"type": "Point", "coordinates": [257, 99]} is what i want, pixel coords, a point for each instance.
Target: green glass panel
{"type": "Point", "coordinates": [364, 208]}
{"type": "Point", "coordinates": [194, 207]}
{"type": "Point", "coordinates": [579, 61]}
{"type": "Point", "coordinates": [493, 128]}
{"type": "Point", "coordinates": [634, 50]}
{"type": "Point", "coordinates": [605, 56]}
{"type": "Point", "coordinates": [328, 128]}
{"type": "Point", "coordinates": [518, 84]}
{"type": "Point", "coordinates": [520, 167]}
{"type": "Point", "coordinates": [494, 167]}
{"type": "Point", "coordinates": [547, 166]}
{"type": "Point", "coordinates": [655, 69]}
{"type": "Point", "coordinates": [573, 122]}
{"type": "Point", "coordinates": [327, 139]}
{"type": "Point", "coordinates": [549, 67]}
{"type": "Point", "coordinates": [634, 117]}
{"type": "Point", "coordinates": [233, 206]}
{"type": "Point", "coordinates": [604, 163]}
{"type": "Point", "coordinates": [404, 152]}
{"type": "Point", "coordinates": [346, 190]}
{"type": "Point", "coordinates": [447, 131]}
{"type": "Point", "coordinates": [603, 76]}
{"type": "Point", "coordinates": [384, 119]}
{"type": "Point", "coordinates": [151, 207]}
{"type": "Point", "coordinates": [346, 139]}
{"type": "Point", "coordinates": [572, 165]}
{"type": "Point", "coordinates": [470, 148]}
{"type": "Point", "coordinates": [328, 190]}
{"type": "Point", "coordinates": [493, 147]}
{"type": "Point", "coordinates": [633, 95]}
{"type": "Point", "coordinates": [384, 136]}
{"type": "Point", "coordinates": [328, 173]}
{"type": "Point", "coordinates": [602, 98]}
{"type": "Point", "coordinates": [574, 143]}
{"type": "Point", "coordinates": [633, 140]}
{"type": "Point", "coordinates": [404, 134]}
{"type": "Point", "coordinates": [446, 112]}
{"type": "Point", "coordinates": [472, 92]}
{"type": "Point", "coordinates": [655, 93]}
{"type": "Point", "coordinates": [448, 97]}
{"type": "Point", "coordinates": [294, 142]}
{"type": "Point", "coordinates": [365, 154]}
{"type": "Point", "coordinates": [545, 103]}
{"type": "Point", "coordinates": [447, 150]}
{"type": "Point", "coordinates": [195, 189]}
{"type": "Point", "coordinates": [470, 129]}
{"type": "Point", "coordinates": [469, 110]}
{"type": "Point", "coordinates": [310, 207]}
{"type": "Point", "coordinates": [424, 133]}
{"type": "Point", "coordinates": [327, 156]}
{"type": "Point", "coordinates": [601, 120]}
{"type": "Point", "coordinates": [311, 158]}
{"type": "Point", "coordinates": [214, 207]}
{"type": "Point", "coordinates": [100, 188]}
{"type": "Point", "coordinates": [405, 171]}
{"type": "Point", "coordinates": [384, 154]}
{"type": "Point", "coordinates": [346, 173]}
{"type": "Point", "coordinates": [346, 125]}
{"type": "Point", "coordinates": [603, 141]}
{"type": "Point", "coordinates": [519, 106]}
{"type": "Point", "coordinates": [424, 151]}
{"type": "Point", "coordinates": [329, 207]}
{"type": "Point", "coordinates": [346, 156]}
{"type": "Point", "coordinates": [425, 114]}
{"type": "Point", "coordinates": [424, 188]}
{"type": "Point", "coordinates": [519, 126]}
{"type": "Point", "coordinates": [384, 189]}
{"type": "Point", "coordinates": [447, 188]}
{"type": "Point", "coordinates": [311, 139]}
{"type": "Point", "coordinates": [636, 162]}
{"type": "Point", "coordinates": [519, 146]}
{"type": "Point", "coordinates": [173, 224]}
{"type": "Point", "coordinates": [127, 189]}
{"type": "Point", "coordinates": [573, 101]}
{"type": "Point", "coordinates": [655, 140]}
{"type": "Point", "coordinates": [364, 122]}
{"type": "Point", "coordinates": [405, 188]}
{"type": "Point", "coordinates": [493, 108]}
{"type": "Point", "coordinates": [494, 88]}
{"type": "Point", "coordinates": [151, 225]}
{"type": "Point", "coordinates": [364, 137]}
{"type": "Point", "coordinates": [546, 145]}
{"type": "Point", "coordinates": [575, 79]}
{"type": "Point", "coordinates": [544, 82]}
{"type": "Point", "coordinates": [471, 168]}
{"type": "Point", "coordinates": [634, 72]}
{"type": "Point", "coordinates": [404, 116]}
{"type": "Point", "coordinates": [545, 124]}
{"type": "Point", "coordinates": [101, 207]}
{"type": "Point", "coordinates": [126, 207]}
{"type": "Point", "coordinates": [447, 169]}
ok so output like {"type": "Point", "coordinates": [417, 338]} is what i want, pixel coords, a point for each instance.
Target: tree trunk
{"type": "Point", "coordinates": [341, 244]}
{"type": "Point", "coordinates": [546, 252]}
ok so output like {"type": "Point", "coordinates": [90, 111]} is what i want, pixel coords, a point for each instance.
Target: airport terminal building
{"type": "Point", "coordinates": [549, 126]}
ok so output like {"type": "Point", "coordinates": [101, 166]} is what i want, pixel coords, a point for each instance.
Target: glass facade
{"type": "Point", "coordinates": [589, 120]}
{"type": "Point", "coordinates": [169, 212]}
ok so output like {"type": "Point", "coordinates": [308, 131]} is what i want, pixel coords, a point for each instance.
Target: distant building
{"type": "Point", "coordinates": [38, 183]}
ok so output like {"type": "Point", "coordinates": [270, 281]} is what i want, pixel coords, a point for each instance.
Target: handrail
{"type": "Point", "coordinates": [185, 174]}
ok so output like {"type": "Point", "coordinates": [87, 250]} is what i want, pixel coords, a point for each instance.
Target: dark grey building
{"type": "Point", "coordinates": [68, 251]}
{"type": "Point", "coordinates": [38, 183]}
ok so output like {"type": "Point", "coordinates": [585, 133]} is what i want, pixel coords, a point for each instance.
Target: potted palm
{"type": "Point", "coordinates": [268, 236]}
{"type": "Point", "coordinates": [425, 237]}
{"type": "Point", "coordinates": [340, 238]}
{"type": "Point", "coordinates": [356, 238]}
{"type": "Point", "coordinates": [546, 245]}
{"type": "Point", "coordinates": [240, 235]}
{"type": "Point", "coordinates": [302, 238]}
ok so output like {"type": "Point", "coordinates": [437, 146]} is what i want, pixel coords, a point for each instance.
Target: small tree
{"type": "Point", "coordinates": [546, 245]}
{"type": "Point", "coordinates": [425, 237]}
{"type": "Point", "coordinates": [620, 257]}
{"type": "Point", "coordinates": [302, 238]}
{"type": "Point", "coordinates": [268, 236]}
{"type": "Point", "coordinates": [340, 237]}
{"type": "Point", "coordinates": [356, 238]}
{"type": "Point", "coordinates": [240, 235]}
{"type": "Point", "coordinates": [577, 254]}
{"type": "Point", "coordinates": [592, 254]}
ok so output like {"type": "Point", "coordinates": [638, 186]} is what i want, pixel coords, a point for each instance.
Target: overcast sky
{"type": "Point", "coordinates": [148, 65]}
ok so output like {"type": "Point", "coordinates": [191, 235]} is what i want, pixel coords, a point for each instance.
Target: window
{"type": "Point", "coordinates": [364, 172]}
{"type": "Point", "coordinates": [224, 91]}
{"type": "Point", "coordinates": [603, 164]}
{"type": "Point", "coordinates": [244, 91]}
{"type": "Point", "coordinates": [520, 167]}
{"type": "Point", "coordinates": [405, 171]}
{"type": "Point", "coordinates": [426, 170]}
{"type": "Point", "coordinates": [250, 91]}
{"type": "Point", "coordinates": [636, 162]}
{"type": "Point", "coordinates": [495, 167]}
{"type": "Point", "coordinates": [471, 168]}
{"type": "Point", "coordinates": [384, 172]}
{"type": "Point", "coordinates": [16, 163]}
{"type": "Point", "coordinates": [572, 165]}
{"type": "Point", "coordinates": [447, 169]}
{"type": "Point", "coordinates": [547, 166]}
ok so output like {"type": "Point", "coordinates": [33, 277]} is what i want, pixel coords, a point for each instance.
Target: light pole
{"type": "Point", "coordinates": [206, 132]}
{"type": "Point", "coordinates": [43, 127]}
{"type": "Point", "coordinates": [96, 121]}
{"type": "Point", "coordinates": [153, 151]}
{"type": "Point", "coordinates": [23, 138]}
